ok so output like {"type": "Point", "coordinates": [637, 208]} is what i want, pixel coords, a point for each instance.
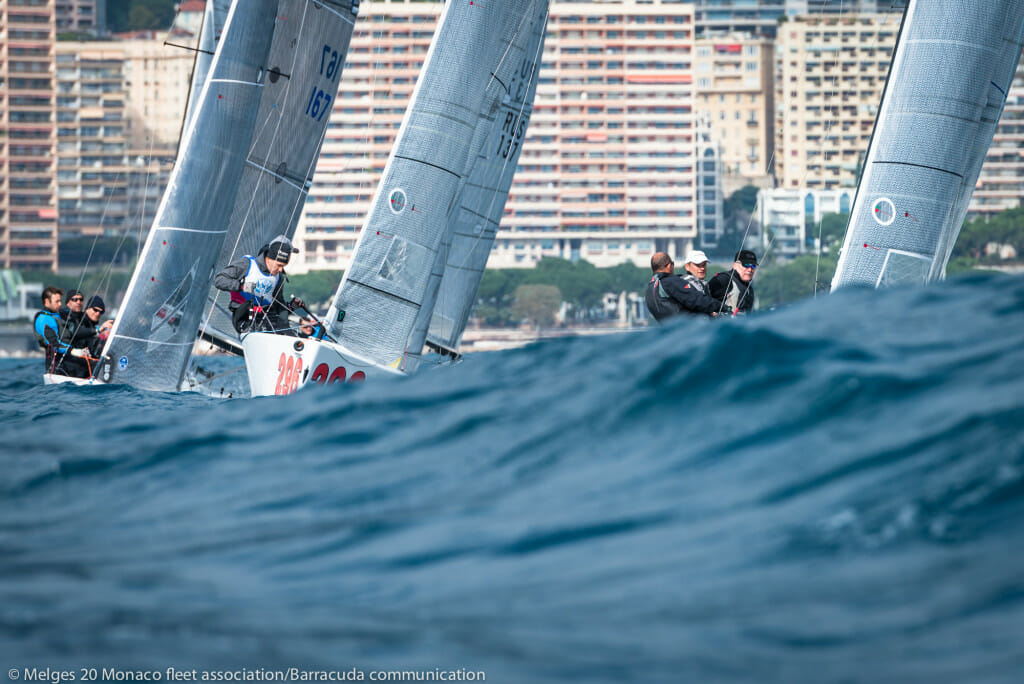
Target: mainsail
{"type": "Point", "coordinates": [304, 68]}
{"type": "Point", "coordinates": [384, 303]}
{"type": "Point", "coordinates": [952, 68]}
{"type": "Point", "coordinates": [214, 17]}
{"type": "Point", "coordinates": [152, 338]}
{"type": "Point", "coordinates": [482, 203]}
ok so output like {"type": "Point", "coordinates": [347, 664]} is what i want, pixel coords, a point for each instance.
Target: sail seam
{"type": "Point", "coordinates": [324, 5]}
{"type": "Point", "coordinates": [142, 339]}
{"type": "Point", "coordinates": [283, 179]}
{"type": "Point", "coordinates": [191, 230]}
{"type": "Point", "coordinates": [921, 166]}
{"type": "Point", "coordinates": [231, 80]}
{"type": "Point", "coordinates": [426, 163]}
{"type": "Point", "coordinates": [383, 292]}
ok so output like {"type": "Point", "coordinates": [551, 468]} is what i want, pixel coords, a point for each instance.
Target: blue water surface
{"type": "Point", "coordinates": [831, 492]}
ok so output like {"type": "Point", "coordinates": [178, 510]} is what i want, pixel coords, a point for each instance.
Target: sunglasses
{"type": "Point", "coordinates": [93, 308]}
{"type": "Point", "coordinates": [75, 299]}
{"type": "Point", "coordinates": [749, 265]}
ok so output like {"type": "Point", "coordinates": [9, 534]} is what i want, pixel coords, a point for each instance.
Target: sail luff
{"type": "Point", "coordinates": [152, 337]}
{"type": "Point", "coordinates": [946, 88]}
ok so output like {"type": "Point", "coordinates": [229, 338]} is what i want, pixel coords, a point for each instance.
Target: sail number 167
{"type": "Point", "coordinates": [330, 68]}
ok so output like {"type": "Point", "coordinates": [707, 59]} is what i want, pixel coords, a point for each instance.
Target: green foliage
{"type": "Point", "coordinates": [778, 284]}
{"type": "Point", "coordinates": [1006, 227]}
{"type": "Point", "coordinates": [537, 304]}
{"type": "Point", "coordinates": [833, 230]}
{"type": "Point", "coordinates": [97, 251]}
{"type": "Point", "coordinates": [580, 283]}
{"type": "Point", "coordinates": [315, 288]}
{"type": "Point", "coordinates": [110, 285]}
{"type": "Point", "coordinates": [130, 15]}
{"type": "Point", "coordinates": [736, 214]}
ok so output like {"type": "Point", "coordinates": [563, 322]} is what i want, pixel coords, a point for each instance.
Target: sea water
{"type": "Point", "coordinates": [830, 492]}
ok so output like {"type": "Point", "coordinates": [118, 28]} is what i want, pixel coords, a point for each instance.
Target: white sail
{"type": "Point", "coordinates": [383, 304]}
{"type": "Point", "coordinates": [304, 69]}
{"type": "Point", "coordinates": [474, 226]}
{"type": "Point", "coordinates": [952, 68]}
{"type": "Point", "coordinates": [152, 337]}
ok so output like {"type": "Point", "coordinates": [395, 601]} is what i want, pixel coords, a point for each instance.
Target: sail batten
{"type": "Point", "coordinates": [946, 89]}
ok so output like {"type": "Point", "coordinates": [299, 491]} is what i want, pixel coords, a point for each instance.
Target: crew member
{"type": "Point", "coordinates": [47, 325]}
{"type": "Point", "coordinates": [668, 294]}
{"type": "Point", "coordinates": [255, 284]}
{"type": "Point", "coordinates": [734, 287]}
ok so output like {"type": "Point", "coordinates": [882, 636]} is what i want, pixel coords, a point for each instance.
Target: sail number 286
{"type": "Point", "coordinates": [330, 68]}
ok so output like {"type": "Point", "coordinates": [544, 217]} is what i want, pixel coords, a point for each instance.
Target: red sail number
{"type": "Point", "coordinates": [289, 370]}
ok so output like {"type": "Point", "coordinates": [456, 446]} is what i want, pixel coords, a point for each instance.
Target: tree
{"type": "Point", "coordinates": [537, 303]}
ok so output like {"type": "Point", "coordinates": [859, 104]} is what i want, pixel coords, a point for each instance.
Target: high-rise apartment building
{"type": "Point", "coordinates": [28, 209]}
{"type": "Point", "coordinates": [1001, 183]}
{"type": "Point", "coordinates": [608, 169]}
{"type": "Point", "coordinates": [89, 16]}
{"type": "Point", "coordinates": [119, 111]}
{"type": "Point", "coordinates": [719, 17]}
{"type": "Point", "coordinates": [735, 87]}
{"type": "Point", "coordinates": [762, 17]}
{"type": "Point", "coordinates": [830, 75]}
{"type": "Point", "coordinates": [92, 162]}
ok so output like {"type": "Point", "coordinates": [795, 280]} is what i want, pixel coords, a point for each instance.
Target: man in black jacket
{"type": "Point", "coordinates": [668, 295]}
{"type": "Point", "coordinates": [734, 288]}
{"type": "Point", "coordinates": [255, 284]}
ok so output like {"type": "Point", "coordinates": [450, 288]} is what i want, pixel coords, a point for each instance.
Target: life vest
{"type": "Point", "coordinates": [47, 319]}
{"type": "Point", "coordinates": [696, 283]}
{"type": "Point", "coordinates": [263, 285]}
{"type": "Point", "coordinates": [658, 302]}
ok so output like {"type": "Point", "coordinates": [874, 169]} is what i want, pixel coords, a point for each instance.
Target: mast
{"type": "Point", "coordinates": [151, 341]}
{"type": "Point", "coordinates": [952, 67]}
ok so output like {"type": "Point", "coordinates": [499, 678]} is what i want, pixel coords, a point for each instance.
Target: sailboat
{"type": "Point", "coordinates": [272, 56]}
{"type": "Point", "coordinates": [952, 68]}
{"type": "Point", "coordinates": [435, 210]}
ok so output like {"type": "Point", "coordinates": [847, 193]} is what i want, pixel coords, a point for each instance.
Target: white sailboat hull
{"type": "Point", "coordinates": [53, 379]}
{"type": "Point", "coordinates": [280, 364]}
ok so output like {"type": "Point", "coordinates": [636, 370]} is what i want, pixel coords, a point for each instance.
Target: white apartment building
{"type": "Point", "coordinates": [830, 74]}
{"type": "Point", "coordinates": [784, 213]}
{"type": "Point", "coordinates": [608, 170]}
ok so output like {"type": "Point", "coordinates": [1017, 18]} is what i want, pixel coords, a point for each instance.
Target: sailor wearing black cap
{"type": "Point", "coordinates": [734, 287]}
{"type": "Point", "coordinates": [255, 284]}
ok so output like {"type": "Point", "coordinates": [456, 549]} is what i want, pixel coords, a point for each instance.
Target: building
{"type": "Point", "coordinates": [708, 184]}
{"type": "Point", "coordinates": [28, 206]}
{"type": "Point", "coordinates": [607, 173]}
{"type": "Point", "coordinates": [84, 16]}
{"type": "Point", "coordinates": [1001, 183]}
{"type": "Point", "coordinates": [92, 162]}
{"type": "Point", "coordinates": [720, 17]}
{"type": "Point", "coordinates": [119, 110]}
{"type": "Point", "coordinates": [784, 215]}
{"type": "Point", "coordinates": [830, 73]}
{"type": "Point", "coordinates": [735, 87]}
{"type": "Point", "coordinates": [762, 17]}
